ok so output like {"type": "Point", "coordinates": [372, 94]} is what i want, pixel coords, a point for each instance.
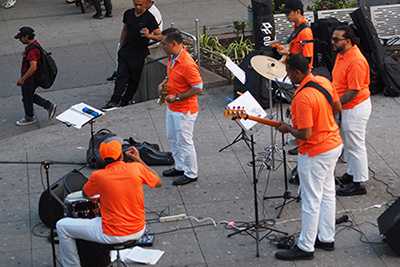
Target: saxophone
{"type": "Point", "coordinates": [164, 89]}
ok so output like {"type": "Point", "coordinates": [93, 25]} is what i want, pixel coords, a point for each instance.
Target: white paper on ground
{"type": "Point", "coordinates": [139, 255]}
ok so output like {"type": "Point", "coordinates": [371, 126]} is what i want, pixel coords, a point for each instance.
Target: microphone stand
{"type": "Point", "coordinates": [46, 165]}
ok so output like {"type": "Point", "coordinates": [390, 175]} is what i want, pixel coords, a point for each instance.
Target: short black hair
{"type": "Point", "coordinates": [298, 62]}
{"type": "Point", "coordinates": [172, 34]}
{"type": "Point", "coordinates": [348, 34]}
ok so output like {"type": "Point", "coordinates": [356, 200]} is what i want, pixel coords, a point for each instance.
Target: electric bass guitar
{"type": "Point", "coordinates": [241, 114]}
{"type": "Point", "coordinates": [280, 47]}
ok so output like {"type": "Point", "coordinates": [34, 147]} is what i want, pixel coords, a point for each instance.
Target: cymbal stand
{"type": "Point", "coordinates": [269, 159]}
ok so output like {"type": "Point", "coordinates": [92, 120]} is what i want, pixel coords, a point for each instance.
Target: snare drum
{"type": "Point", "coordinates": [77, 206]}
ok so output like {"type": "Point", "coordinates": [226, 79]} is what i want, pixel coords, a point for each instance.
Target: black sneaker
{"type": "Point", "coordinates": [344, 179]}
{"type": "Point", "coordinates": [110, 106]}
{"type": "Point", "coordinates": [112, 77]}
{"type": "Point", "coordinates": [109, 15]}
{"type": "Point", "coordinates": [52, 111]}
{"type": "Point", "coordinates": [184, 180]}
{"type": "Point", "coordinates": [172, 172]}
{"type": "Point", "coordinates": [351, 190]}
{"type": "Point", "coordinates": [327, 246]}
{"type": "Point", "coordinates": [294, 254]}
{"type": "Point", "coordinates": [97, 16]}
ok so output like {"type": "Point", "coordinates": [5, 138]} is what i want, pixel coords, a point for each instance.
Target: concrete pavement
{"type": "Point", "coordinates": [224, 190]}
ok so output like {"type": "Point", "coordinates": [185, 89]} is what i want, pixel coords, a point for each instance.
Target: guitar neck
{"type": "Point", "coordinates": [263, 121]}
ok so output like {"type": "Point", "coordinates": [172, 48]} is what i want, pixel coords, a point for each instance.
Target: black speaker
{"type": "Point", "coordinates": [389, 226]}
{"type": "Point", "coordinates": [71, 182]}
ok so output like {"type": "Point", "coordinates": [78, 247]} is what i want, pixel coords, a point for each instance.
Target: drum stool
{"type": "Point", "coordinates": [118, 247]}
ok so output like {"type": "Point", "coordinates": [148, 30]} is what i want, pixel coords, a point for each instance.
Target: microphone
{"type": "Point", "coordinates": [308, 41]}
{"type": "Point", "coordinates": [342, 219]}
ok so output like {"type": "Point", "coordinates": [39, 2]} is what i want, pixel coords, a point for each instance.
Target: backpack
{"type": "Point", "coordinates": [47, 71]}
{"type": "Point", "coordinates": [93, 156]}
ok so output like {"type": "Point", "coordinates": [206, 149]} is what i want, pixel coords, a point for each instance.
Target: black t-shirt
{"type": "Point", "coordinates": [134, 43]}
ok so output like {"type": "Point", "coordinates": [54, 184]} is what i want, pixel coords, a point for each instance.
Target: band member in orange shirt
{"type": "Point", "coordinates": [183, 84]}
{"type": "Point", "coordinates": [293, 10]}
{"type": "Point", "coordinates": [351, 78]}
{"type": "Point", "coordinates": [319, 148]}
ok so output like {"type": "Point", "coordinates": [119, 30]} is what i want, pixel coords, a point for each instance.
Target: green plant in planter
{"type": "Point", "coordinates": [239, 28]}
{"type": "Point", "coordinates": [332, 4]}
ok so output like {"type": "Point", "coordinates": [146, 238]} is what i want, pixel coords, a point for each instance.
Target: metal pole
{"type": "Point", "coordinates": [197, 46]}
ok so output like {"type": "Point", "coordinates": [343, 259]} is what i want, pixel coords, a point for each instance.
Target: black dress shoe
{"type": "Point", "coordinates": [294, 151]}
{"type": "Point", "coordinates": [172, 172]}
{"type": "Point", "coordinates": [113, 76]}
{"type": "Point", "coordinates": [328, 246]}
{"type": "Point", "coordinates": [184, 180]}
{"type": "Point", "coordinates": [294, 254]}
{"type": "Point", "coordinates": [344, 179]}
{"type": "Point", "coordinates": [352, 190]}
{"type": "Point", "coordinates": [97, 16]}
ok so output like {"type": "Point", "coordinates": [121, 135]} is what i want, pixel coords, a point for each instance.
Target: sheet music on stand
{"type": "Point", "coordinates": [79, 115]}
{"type": "Point", "coordinates": [248, 103]}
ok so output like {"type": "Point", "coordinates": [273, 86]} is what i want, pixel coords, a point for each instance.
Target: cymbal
{"type": "Point", "coordinates": [268, 67]}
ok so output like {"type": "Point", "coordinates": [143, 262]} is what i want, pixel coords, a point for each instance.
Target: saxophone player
{"type": "Point", "coordinates": [184, 83]}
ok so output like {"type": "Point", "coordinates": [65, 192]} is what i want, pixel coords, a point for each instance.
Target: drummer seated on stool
{"type": "Point", "coordinates": [120, 186]}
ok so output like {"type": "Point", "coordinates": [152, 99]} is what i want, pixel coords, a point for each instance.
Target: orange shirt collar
{"type": "Point", "coordinates": [301, 22]}
{"type": "Point", "coordinates": [309, 77]}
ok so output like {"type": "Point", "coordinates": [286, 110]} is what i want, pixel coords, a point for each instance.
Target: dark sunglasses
{"type": "Point", "coordinates": [336, 40]}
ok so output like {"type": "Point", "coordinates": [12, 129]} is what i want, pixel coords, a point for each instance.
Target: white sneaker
{"type": "Point", "coordinates": [24, 121]}
{"type": "Point", "coordinates": [10, 3]}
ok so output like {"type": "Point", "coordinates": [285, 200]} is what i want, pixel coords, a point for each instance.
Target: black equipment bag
{"type": "Point", "coordinates": [322, 29]}
{"type": "Point", "coordinates": [255, 83]}
{"type": "Point", "coordinates": [385, 71]}
{"type": "Point", "coordinates": [47, 71]}
{"type": "Point", "coordinates": [149, 153]}
{"type": "Point", "coordinates": [93, 157]}
{"type": "Point", "coordinates": [71, 182]}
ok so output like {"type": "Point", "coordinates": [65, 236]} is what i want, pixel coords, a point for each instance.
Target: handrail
{"type": "Point", "coordinates": [196, 40]}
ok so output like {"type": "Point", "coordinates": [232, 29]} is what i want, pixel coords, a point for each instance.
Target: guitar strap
{"type": "Point", "coordinates": [322, 90]}
{"type": "Point", "coordinates": [296, 32]}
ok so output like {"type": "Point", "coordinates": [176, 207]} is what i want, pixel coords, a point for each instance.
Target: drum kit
{"type": "Point", "coordinates": [77, 206]}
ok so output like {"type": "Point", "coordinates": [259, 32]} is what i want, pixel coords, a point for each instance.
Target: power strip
{"type": "Point", "coordinates": [173, 218]}
{"type": "Point", "coordinates": [146, 240]}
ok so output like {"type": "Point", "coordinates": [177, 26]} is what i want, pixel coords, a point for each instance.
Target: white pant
{"type": "Point", "coordinates": [69, 229]}
{"type": "Point", "coordinates": [353, 130]}
{"type": "Point", "coordinates": [180, 136]}
{"type": "Point", "coordinates": [317, 186]}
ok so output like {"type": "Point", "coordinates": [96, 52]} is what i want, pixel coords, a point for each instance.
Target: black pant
{"type": "Point", "coordinates": [129, 73]}
{"type": "Point", "coordinates": [107, 5]}
{"type": "Point", "coordinates": [29, 97]}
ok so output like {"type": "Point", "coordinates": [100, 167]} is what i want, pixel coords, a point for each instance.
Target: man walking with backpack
{"type": "Point", "coordinates": [31, 61]}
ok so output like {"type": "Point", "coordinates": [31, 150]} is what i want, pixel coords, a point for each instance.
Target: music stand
{"type": "Point", "coordinates": [78, 116]}
{"type": "Point", "coordinates": [246, 102]}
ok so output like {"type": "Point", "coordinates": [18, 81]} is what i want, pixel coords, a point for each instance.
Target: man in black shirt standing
{"type": "Point", "coordinates": [139, 26]}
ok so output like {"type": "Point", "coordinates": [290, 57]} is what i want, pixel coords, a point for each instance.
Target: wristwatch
{"type": "Point", "coordinates": [177, 98]}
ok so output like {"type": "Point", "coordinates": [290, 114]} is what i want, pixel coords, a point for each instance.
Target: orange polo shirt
{"type": "Point", "coordinates": [120, 186]}
{"type": "Point", "coordinates": [308, 49]}
{"type": "Point", "coordinates": [183, 75]}
{"type": "Point", "coordinates": [351, 71]}
{"type": "Point", "coordinates": [310, 108]}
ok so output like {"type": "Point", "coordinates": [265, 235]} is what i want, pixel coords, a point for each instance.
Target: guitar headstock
{"type": "Point", "coordinates": [235, 113]}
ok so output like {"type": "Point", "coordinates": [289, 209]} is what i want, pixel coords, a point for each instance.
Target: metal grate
{"type": "Point", "coordinates": [343, 15]}
{"type": "Point", "coordinates": [284, 28]}
{"type": "Point", "coordinates": [386, 20]}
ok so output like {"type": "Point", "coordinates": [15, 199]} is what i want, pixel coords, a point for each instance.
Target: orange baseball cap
{"type": "Point", "coordinates": [111, 148]}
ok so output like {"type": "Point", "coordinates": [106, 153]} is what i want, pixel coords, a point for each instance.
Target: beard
{"type": "Point", "coordinates": [337, 48]}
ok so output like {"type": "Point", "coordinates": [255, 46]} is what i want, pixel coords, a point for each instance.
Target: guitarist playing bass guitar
{"type": "Point", "coordinates": [293, 11]}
